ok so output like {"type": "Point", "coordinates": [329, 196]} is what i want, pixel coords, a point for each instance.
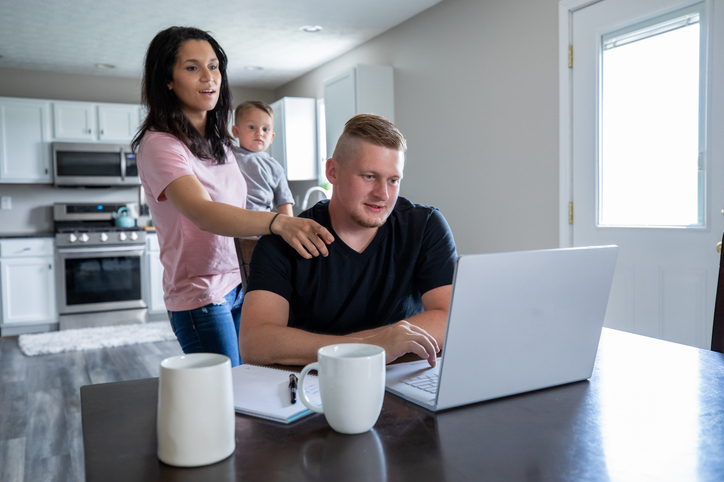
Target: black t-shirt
{"type": "Point", "coordinates": [346, 292]}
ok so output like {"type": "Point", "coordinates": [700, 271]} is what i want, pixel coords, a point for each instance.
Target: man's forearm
{"type": "Point", "coordinates": [270, 344]}
{"type": "Point", "coordinates": [434, 322]}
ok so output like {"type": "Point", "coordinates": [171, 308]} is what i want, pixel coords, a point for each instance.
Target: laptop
{"type": "Point", "coordinates": [518, 321]}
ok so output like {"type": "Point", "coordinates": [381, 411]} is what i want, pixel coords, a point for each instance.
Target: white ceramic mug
{"type": "Point", "coordinates": [196, 420]}
{"type": "Point", "coordinates": [351, 385]}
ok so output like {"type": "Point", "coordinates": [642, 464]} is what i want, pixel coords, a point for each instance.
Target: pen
{"type": "Point", "coordinates": [293, 387]}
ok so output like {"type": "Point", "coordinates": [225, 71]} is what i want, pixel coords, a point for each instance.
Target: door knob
{"type": "Point", "coordinates": [718, 247]}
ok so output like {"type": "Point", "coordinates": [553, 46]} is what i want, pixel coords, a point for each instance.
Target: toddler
{"type": "Point", "coordinates": [266, 183]}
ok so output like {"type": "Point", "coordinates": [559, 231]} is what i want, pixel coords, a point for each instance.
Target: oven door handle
{"type": "Point", "coordinates": [109, 249]}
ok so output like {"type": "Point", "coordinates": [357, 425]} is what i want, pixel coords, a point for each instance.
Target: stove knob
{"type": "Point", "coordinates": [122, 236]}
{"type": "Point", "coordinates": [72, 238]}
{"type": "Point", "coordinates": [104, 237]}
{"type": "Point", "coordinates": [84, 237]}
{"type": "Point", "coordinates": [134, 236]}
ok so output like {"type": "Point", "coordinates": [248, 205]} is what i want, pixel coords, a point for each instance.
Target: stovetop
{"type": "Point", "coordinates": [93, 225]}
{"type": "Point", "coordinates": [83, 228]}
{"type": "Point", "coordinates": [101, 238]}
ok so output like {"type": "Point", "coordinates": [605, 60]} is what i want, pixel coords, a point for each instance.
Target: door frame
{"type": "Point", "coordinates": [566, 9]}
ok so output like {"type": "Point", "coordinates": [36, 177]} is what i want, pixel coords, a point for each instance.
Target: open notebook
{"type": "Point", "coordinates": [264, 392]}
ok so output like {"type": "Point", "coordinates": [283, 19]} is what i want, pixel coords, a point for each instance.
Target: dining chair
{"type": "Point", "coordinates": [717, 333]}
{"type": "Point", "coordinates": [244, 249]}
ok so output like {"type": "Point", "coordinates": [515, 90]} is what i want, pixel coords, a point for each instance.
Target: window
{"type": "Point", "coordinates": [650, 169]}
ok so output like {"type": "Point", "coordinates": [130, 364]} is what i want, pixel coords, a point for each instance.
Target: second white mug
{"type": "Point", "coordinates": [351, 385]}
{"type": "Point", "coordinates": [196, 418]}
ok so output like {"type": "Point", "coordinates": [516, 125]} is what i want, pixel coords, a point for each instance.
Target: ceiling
{"type": "Point", "coordinates": [75, 35]}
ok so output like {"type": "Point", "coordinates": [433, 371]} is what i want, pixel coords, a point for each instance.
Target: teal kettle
{"type": "Point", "coordinates": [124, 219]}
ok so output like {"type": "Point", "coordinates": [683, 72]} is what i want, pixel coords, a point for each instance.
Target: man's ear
{"type": "Point", "coordinates": [331, 169]}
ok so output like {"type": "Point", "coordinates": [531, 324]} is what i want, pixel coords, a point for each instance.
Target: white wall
{"type": "Point", "coordinates": [476, 97]}
{"type": "Point", "coordinates": [92, 88]}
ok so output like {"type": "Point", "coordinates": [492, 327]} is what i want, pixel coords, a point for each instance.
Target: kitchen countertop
{"type": "Point", "coordinates": [48, 234]}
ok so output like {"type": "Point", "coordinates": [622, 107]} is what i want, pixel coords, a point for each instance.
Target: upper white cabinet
{"type": "Point", "coordinates": [84, 121]}
{"type": "Point", "coordinates": [362, 89]}
{"type": "Point", "coordinates": [74, 121]}
{"type": "Point", "coordinates": [295, 140]}
{"type": "Point", "coordinates": [118, 122]}
{"type": "Point", "coordinates": [28, 126]}
{"type": "Point", "coordinates": [24, 147]}
{"type": "Point", "coordinates": [27, 282]}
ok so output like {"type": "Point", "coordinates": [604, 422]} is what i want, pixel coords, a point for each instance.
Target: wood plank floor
{"type": "Point", "coordinates": [40, 422]}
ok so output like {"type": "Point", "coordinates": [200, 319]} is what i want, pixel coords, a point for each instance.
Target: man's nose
{"type": "Point", "coordinates": [381, 191]}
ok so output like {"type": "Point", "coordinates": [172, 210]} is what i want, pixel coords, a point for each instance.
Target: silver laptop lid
{"type": "Point", "coordinates": [522, 321]}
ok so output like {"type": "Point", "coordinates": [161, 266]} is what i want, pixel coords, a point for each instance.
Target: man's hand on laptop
{"type": "Point", "coordinates": [404, 337]}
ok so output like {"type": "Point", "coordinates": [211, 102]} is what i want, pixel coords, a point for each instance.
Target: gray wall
{"type": "Point", "coordinates": [31, 211]}
{"type": "Point", "coordinates": [476, 97]}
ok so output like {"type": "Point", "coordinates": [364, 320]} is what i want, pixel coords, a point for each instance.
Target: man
{"type": "Point", "coordinates": [387, 279]}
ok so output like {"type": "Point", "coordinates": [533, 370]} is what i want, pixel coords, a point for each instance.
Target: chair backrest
{"type": "Point", "coordinates": [717, 332]}
{"type": "Point", "coordinates": [244, 249]}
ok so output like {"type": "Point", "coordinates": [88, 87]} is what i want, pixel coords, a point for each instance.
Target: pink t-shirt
{"type": "Point", "coordinates": [199, 267]}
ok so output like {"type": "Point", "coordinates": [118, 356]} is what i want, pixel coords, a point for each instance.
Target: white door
{"type": "Point", "coordinates": [665, 281]}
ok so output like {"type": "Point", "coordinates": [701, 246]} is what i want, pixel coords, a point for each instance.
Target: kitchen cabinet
{"type": "Point", "coordinates": [295, 140]}
{"type": "Point", "coordinates": [24, 147]}
{"type": "Point", "coordinates": [73, 121]}
{"type": "Point", "coordinates": [27, 283]}
{"type": "Point", "coordinates": [362, 89]}
{"type": "Point", "coordinates": [118, 122]}
{"type": "Point", "coordinates": [91, 122]}
{"type": "Point", "coordinates": [154, 280]}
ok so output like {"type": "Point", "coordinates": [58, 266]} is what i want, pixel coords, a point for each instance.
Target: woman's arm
{"type": "Point", "coordinates": [285, 208]}
{"type": "Point", "coordinates": [191, 199]}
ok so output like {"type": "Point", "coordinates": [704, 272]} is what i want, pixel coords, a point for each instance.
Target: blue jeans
{"type": "Point", "coordinates": [213, 328]}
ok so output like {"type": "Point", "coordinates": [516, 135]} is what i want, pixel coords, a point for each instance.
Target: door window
{"type": "Point", "coordinates": [650, 169]}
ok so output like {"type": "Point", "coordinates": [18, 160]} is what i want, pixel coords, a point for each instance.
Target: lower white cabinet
{"type": "Point", "coordinates": [27, 281]}
{"type": "Point", "coordinates": [154, 281]}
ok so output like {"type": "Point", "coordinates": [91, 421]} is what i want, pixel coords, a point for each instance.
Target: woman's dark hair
{"type": "Point", "coordinates": [164, 108]}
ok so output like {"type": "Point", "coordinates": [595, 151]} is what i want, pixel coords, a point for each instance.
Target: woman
{"type": "Point", "coordinates": [196, 192]}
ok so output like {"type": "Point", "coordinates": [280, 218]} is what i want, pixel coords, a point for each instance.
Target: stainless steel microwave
{"type": "Point", "coordinates": [94, 165]}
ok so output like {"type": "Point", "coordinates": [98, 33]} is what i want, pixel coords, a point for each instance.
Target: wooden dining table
{"type": "Point", "coordinates": [652, 411]}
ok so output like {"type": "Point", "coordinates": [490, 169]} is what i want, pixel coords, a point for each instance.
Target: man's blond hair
{"type": "Point", "coordinates": [369, 128]}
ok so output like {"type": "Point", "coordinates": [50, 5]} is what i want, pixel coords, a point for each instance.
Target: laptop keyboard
{"type": "Point", "coordinates": [426, 382]}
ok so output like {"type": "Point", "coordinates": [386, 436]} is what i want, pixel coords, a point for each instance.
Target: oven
{"type": "Point", "coordinates": [100, 269]}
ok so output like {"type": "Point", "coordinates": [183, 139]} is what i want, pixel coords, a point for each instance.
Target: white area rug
{"type": "Point", "coordinates": [95, 338]}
